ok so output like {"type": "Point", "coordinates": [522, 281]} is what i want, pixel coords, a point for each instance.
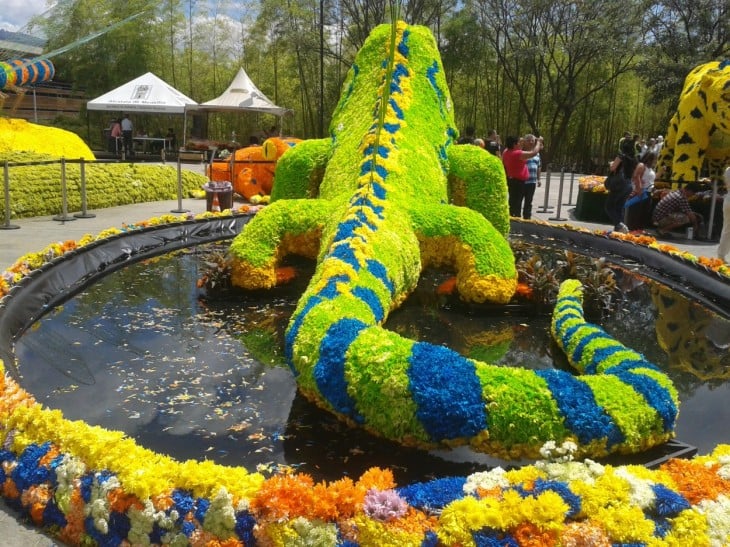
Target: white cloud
{"type": "Point", "coordinates": [15, 14]}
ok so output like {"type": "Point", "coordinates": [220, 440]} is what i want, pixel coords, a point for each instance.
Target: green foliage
{"type": "Point", "coordinates": [683, 35]}
{"type": "Point", "coordinates": [543, 273]}
{"type": "Point", "coordinates": [579, 73]}
{"type": "Point", "coordinates": [35, 190]}
{"type": "Point", "coordinates": [126, 51]}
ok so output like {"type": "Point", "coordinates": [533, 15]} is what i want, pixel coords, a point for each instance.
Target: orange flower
{"type": "Point", "coordinates": [120, 501]}
{"type": "Point", "coordinates": [447, 287]}
{"type": "Point", "coordinates": [74, 529]}
{"type": "Point", "coordinates": [583, 534]}
{"type": "Point", "coordinates": [339, 499]}
{"type": "Point", "coordinates": [36, 498]}
{"type": "Point", "coordinates": [285, 274]}
{"type": "Point", "coordinates": [523, 290]}
{"type": "Point", "coordinates": [712, 263]}
{"type": "Point", "coordinates": [380, 479]}
{"type": "Point", "coordinates": [413, 522]}
{"type": "Point", "coordinates": [529, 535]}
{"type": "Point", "coordinates": [285, 496]}
{"type": "Point", "coordinates": [696, 482]}
{"type": "Point", "coordinates": [494, 492]}
{"type": "Point", "coordinates": [49, 456]}
{"type": "Point", "coordinates": [9, 489]}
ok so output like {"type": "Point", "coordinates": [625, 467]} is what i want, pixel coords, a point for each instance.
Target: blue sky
{"type": "Point", "coordinates": [15, 14]}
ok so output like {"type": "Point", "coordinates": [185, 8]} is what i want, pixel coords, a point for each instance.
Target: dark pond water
{"type": "Point", "coordinates": [145, 352]}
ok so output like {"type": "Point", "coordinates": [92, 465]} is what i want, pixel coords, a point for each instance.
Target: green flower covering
{"type": "Point", "coordinates": [372, 204]}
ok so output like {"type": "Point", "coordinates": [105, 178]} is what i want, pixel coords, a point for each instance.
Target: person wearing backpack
{"type": "Point", "coordinates": [619, 186]}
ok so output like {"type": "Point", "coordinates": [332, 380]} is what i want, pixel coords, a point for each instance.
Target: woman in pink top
{"type": "Point", "coordinates": [515, 159]}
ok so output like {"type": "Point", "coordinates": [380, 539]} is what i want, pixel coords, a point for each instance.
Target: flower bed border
{"type": "Point", "coordinates": [680, 273]}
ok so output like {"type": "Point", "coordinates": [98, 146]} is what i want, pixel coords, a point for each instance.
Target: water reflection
{"type": "Point", "coordinates": [142, 352]}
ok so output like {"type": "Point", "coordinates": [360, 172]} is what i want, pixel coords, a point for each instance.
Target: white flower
{"type": "Point", "coordinates": [563, 453]}
{"type": "Point", "coordinates": [717, 513]}
{"type": "Point", "coordinates": [586, 471]}
{"type": "Point", "coordinates": [220, 518]}
{"type": "Point", "coordinates": [642, 493]}
{"type": "Point", "coordinates": [486, 480]}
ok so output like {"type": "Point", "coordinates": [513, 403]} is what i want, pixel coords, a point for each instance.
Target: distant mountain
{"type": "Point", "coordinates": [20, 39]}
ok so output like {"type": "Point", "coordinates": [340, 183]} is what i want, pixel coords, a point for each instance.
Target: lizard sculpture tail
{"type": "Point", "coordinates": [384, 184]}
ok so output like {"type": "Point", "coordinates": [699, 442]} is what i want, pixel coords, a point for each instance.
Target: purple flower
{"type": "Point", "coordinates": [384, 505]}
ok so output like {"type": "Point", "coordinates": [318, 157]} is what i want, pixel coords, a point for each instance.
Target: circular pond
{"type": "Point", "coordinates": [195, 375]}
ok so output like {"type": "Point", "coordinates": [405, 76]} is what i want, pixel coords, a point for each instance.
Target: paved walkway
{"type": "Point", "coordinates": [34, 234]}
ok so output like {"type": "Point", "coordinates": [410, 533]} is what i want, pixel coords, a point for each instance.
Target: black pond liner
{"type": "Point", "coordinates": [64, 277]}
{"type": "Point", "coordinates": [696, 282]}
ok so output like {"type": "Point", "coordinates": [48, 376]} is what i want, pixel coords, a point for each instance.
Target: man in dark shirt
{"type": "Point", "coordinates": [467, 137]}
{"type": "Point", "coordinates": [494, 143]}
{"type": "Point", "coordinates": [674, 211]}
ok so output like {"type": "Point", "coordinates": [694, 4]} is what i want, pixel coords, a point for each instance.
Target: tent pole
{"type": "Point", "coordinates": [185, 129]}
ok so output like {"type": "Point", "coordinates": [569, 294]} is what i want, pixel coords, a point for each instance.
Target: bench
{"type": "Point", "coordinates": [192, 155]}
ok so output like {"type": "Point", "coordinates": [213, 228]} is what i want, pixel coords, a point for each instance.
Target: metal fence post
{"type": "Point", "coordinates": [6, 184]}
{"type": "Point", "coordinates": [713, 202]}
{"type": "Point", "coordinates": [63, 216]}
{"type": "Point", "coordinates": [570, 190]}
{"type": "Point", "coordinates": [560, 196]}
{"type": "Point", "coordinates": [545, 208]}
{"type": "Point", "coordinates": [179, 190]}
{"type": "Point", "coordinates": [82, 174]}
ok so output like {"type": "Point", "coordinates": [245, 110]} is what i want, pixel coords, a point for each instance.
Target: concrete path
{"type": "Point", "coordinates": [34, 234]}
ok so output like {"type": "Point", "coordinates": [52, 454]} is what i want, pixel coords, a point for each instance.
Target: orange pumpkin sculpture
{"type": "Point", "coordinates": [253, 167]}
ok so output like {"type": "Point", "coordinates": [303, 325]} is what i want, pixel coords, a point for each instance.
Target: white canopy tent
{"type": "Point", "coordinates": [241, 95]}
{"type": "Point", "coordinates": [148, 93]}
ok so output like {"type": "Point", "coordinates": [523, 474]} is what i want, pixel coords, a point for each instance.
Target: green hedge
{"type": "Point", "coordinates": [35, 190]}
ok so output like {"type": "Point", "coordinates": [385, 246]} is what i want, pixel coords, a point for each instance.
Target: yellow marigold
{"type": "Point", "coordinates": [22, 136]}
{"type": "Point", "coordinates": [373, 532]}
{"type": "Point", "coordinates": [625, 523]}
{"type": "Point", "coordinates": [463, 517]}
{"type": "Point", "coordinates": [688, 528]}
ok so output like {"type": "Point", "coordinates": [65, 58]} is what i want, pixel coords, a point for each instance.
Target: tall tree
{"type": "Point", "coordinates": [110, 59]}
{"type": "Point", "coordinates": [682, 35]}
{"type": "Point", "coordinates": [557, 55]}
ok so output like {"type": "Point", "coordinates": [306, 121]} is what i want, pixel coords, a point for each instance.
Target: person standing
{"type": "Point", "coordinates": [515, 159]}
{"type": "Point", "coordinates": [468, 136]}
{"type": "Point", "coordinates": [533, 180]}
{"type": "Point", "coordinates": [115, 133]}
{"type": "Point", "coordinates": [127, 132]}
{"type": "Point", "coordinates": [494, 143]}
{"type": "Point", "coordinates": [623, 167]}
